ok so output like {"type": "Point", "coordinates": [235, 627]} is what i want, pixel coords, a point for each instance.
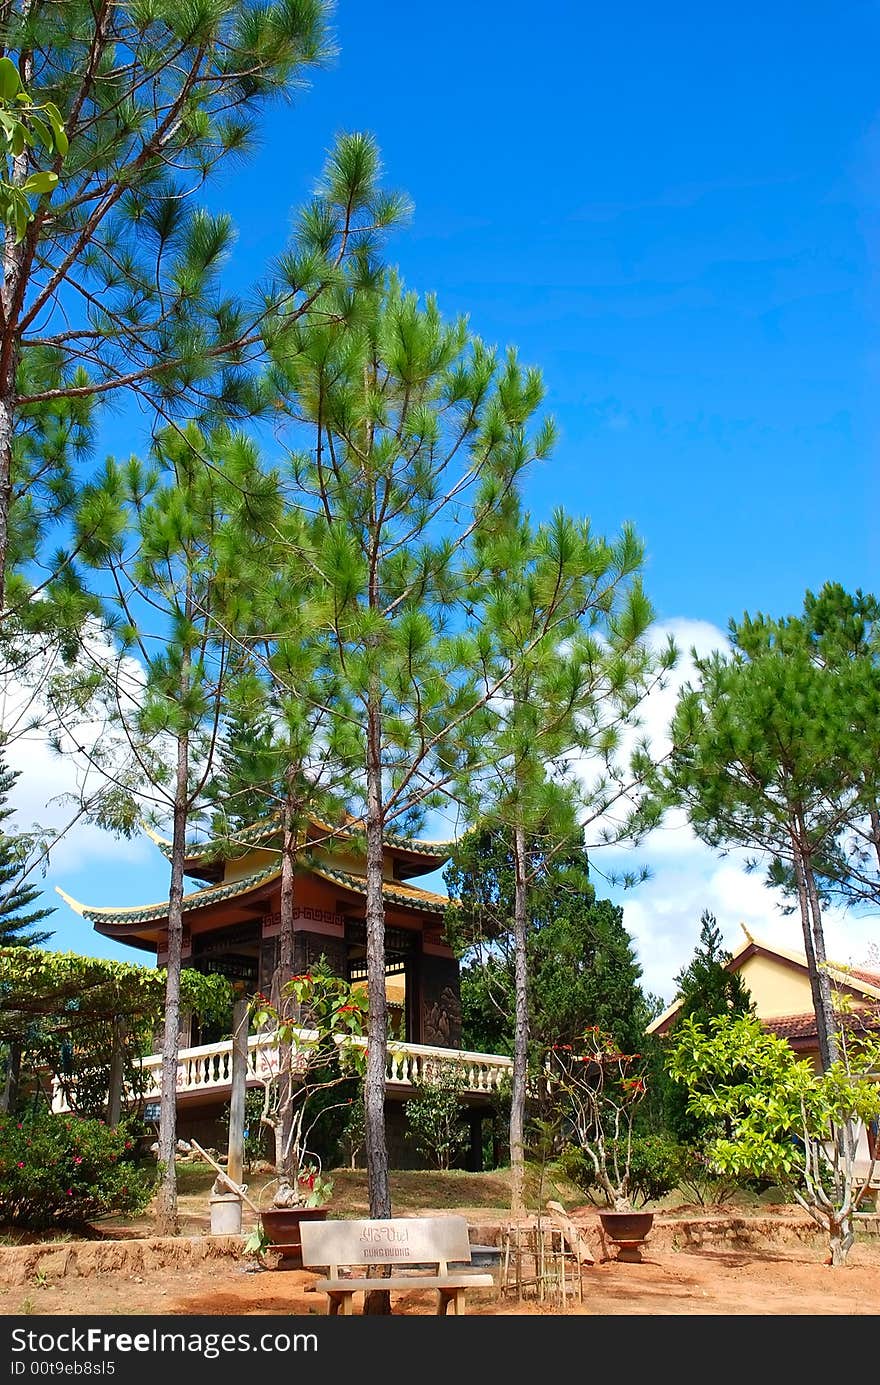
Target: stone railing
{"type": "Point", "coordinates": [208, 1068]}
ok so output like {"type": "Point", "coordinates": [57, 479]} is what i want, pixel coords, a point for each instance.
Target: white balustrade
{"type": "Point", "coordinates": [207, 1068]}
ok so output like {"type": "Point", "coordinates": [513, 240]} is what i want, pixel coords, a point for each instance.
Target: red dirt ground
{"type": "Point", "coordinates": [774, 1278]}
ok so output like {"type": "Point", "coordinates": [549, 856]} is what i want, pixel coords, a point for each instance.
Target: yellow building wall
{"type": "Point", "coordinates": [779, 990]}
{"type": "Point", "coordinates": [261, 859]}
{"type": "Point", "coordinates": [775, 988]}
{"type": "Point", "coordinates": [254, 861]}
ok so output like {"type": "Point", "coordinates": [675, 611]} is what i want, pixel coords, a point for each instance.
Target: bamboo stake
{"type": "Point", "coordinates": [224, 1176]}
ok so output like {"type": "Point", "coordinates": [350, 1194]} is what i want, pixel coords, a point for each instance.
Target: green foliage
{"type": "Point", "coordinates": [783, 1121]}
{"type": "Point", "coordinates": [775, 750]}
{"type": "Point", "coordinates": [254, 1130]}
{"type": "Point", "coordinates": [655, 1168]}
{"type": "Point", "coordinates": [64, 1171]}
{"type": "Point", "coordinates": [17, 919]}
{"type": "Point", "coordinates": [582, 965]}
{"type": "Point", "coordinates": [65, 1012]}
{"type": "Point", "coordinates": [777, 1106]}
{"type": "Point", "coordinates": [705, 988]}
{"type": "Point", "coordinates": [76, 992]}
{"type": "Point", "coordinates": [702, 1183]}
{"type": "Point", "coordinates": [119, 285]}
{"type": "Point", "coordinates": [308, 1078]}
{"type": "Point", "coordinates": [26, 126]}
{"type": "Point", "coordinates": [434, 1115]}
{"type": "Point", "coordinates": [354, 1132]}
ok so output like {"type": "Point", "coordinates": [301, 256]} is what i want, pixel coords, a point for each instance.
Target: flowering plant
{"type": "Point", "coordinates": [310, 1053]}
{"type": "Point", "coordinates": [598, 1089]}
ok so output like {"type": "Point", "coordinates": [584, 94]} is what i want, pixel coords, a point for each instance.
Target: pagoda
{"type": "Point", "coordinates": [232, 920]}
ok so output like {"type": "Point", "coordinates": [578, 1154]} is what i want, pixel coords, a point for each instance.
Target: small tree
{"type": "Point", "coordinates": [785, 1121]}
{"type": "Point", "coordinates": [598, 1089]}
{"type": "Point", "coordinates": [434, 1115]}
{"type": "Point", "coordinates": [354, 1133]}
{"type": "Point", "coordinates": [327, 1014]}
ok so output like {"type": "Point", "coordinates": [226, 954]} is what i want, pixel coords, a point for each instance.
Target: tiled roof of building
{"type": "Point", "coordinates": [269, 827]}
{"type": "Point", "coordinates": [792, 1026]}
{"type": "Point", "coordinates": [804, 1026]}
{"type": "Point", "coordinates": [198, 899]}
{"type": "Point", "coordinates": [394, 891]}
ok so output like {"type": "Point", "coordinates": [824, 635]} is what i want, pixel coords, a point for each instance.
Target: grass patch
{"type": "Point", "coordinates": [413, 1190]}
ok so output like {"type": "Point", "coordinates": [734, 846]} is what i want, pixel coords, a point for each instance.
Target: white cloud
{"type": "Point", "coordinates": [53, 780]}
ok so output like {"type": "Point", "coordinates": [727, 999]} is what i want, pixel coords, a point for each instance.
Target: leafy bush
{"type": "Point", "coordinates": [64, 1171]}
{"type": "Point", "coordinates": [705, 1185]}
{"type": "Point", "coordinates": [654, 1168]}
{"type": "Point", "coordinates": [434, 1115]}
{"type": "Point", "coordinates": [352, 1141]}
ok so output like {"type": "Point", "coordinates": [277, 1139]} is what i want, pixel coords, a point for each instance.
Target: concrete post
{"type": "Point", "coordinates": [235, 1159]}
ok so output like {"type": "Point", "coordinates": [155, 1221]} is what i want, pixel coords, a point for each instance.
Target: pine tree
{"type": "Point", "coordinates": [840, 633]}
{"type": "Point", "coordinates": [176, 541]}
{"type": "Point", "coordinates": [763, 759]}
{"type": "Point", "coordinates": [565, 617]}
{"type": "Point", "coordinates": [117, 270]}
{"type": "Point", "coordinates": [416, 430]}
{"type": "Point", "coordinates": [581, 962]}
{"type": "Point", "coordinates": [17, 919]}
{"type": "Point", "coordinates": [705, 988]}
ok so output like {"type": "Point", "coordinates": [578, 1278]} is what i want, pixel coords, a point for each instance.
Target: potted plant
{"type": "Point", "coordinates": [308, 1056]}
{"type": "Point", "coordinates": [599, 1089]}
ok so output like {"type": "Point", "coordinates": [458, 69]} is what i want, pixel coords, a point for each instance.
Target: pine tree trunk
{"type": "Point", "coordinates": [17, 261]}
{"type": "Point", "coordinates": [7, 425]}
{"type": "Point", "coordinates": [827, 1001]}
{"type": "Point", "coordinates": [377, 1017]}
{"type": "Point", "coordinates": [521, 1026]}
{"type": "Point", "coordinates": [166, 1199]}
{"type": "Point", "coordinates": [11, 1082]}
{"type": "Point", "coordinates": [875, 831]}
{"type": "Point", "coordinates": [819, 1008]}
{"type": "Point", "coordinates": [285, 972]}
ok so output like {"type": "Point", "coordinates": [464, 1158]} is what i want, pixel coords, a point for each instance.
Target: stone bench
{"type": "Point", "coordinates": [423, 1247]}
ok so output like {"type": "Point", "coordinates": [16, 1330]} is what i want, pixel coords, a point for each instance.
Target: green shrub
{"type": "Point", "coordinates": [64, 1171]}
{"type": "Point", "coordinates": [654, 1168]}
{"type": "Point", "coordinates": [703, 1184]}
{"type": "Point", "coordinates": [435, 1115]}
{"type": "Point", "coordinates": [352, 1141]}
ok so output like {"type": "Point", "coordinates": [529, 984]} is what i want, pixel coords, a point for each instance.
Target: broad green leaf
{"type": "Point", "coordinates": [41, 182]}
{"type": "Point", "coordinates": [10, 82]}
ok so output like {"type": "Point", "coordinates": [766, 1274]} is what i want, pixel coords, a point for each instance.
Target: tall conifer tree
{"type": "Point", "coordinates": [17, 919]}
{"type": "Point", "coordinates": [414, 432]}
{"type": "Point", "coordinates": [566, 618]}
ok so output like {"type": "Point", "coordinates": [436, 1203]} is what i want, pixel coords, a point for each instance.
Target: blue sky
{"type": "Point", "coordinates": [674, 212]}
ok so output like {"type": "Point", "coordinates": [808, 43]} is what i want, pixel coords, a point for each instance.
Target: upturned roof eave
{"type": "Point", "coordinates": [147, 915]}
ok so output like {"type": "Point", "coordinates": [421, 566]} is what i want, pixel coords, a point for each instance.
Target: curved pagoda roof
{"type": "Point", "coordinates": [139, 923]}
{"type": "Point", "coordinates": [412, 855]}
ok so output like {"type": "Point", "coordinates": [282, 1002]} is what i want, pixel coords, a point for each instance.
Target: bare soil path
{"type": "Point", "coordinates": [786, 1280]}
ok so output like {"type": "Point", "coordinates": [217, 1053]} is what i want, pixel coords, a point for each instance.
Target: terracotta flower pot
{"type": "Point", "coordinates": [281, 1225]}
{"type": "Point", "coordinates": [628, 1230]}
